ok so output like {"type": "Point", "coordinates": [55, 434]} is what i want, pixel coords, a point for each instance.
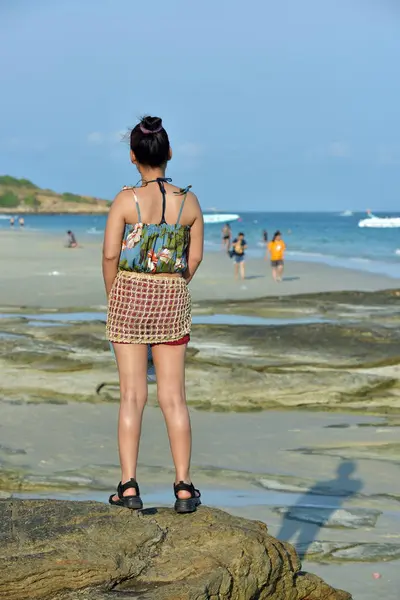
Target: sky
{"type": "Point", "coordinates": [289, 105]}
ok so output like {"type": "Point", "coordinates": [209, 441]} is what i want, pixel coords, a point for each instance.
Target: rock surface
{"type": "Point", "coordinates": [87, 550]}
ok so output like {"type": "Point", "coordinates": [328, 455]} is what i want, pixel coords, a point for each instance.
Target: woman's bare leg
{"type": "Point", "coordinates": [169, 362]}
{"type": "Point", "coordinates": [280, 272]}
{"type": "Point", "coordinates": [274, 273]}
{"type": "Point", "coordinates": [242, 270]}
{"type": "Point", "coordinates": [132, 368]}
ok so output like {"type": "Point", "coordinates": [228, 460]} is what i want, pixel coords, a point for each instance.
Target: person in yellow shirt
{"type": "Point", "coordinates": [276, 249]}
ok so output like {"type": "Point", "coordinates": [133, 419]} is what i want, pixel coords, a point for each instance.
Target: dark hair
{"type": "Point", "coordinates": [276, 235]}
{"type": "Point", "coordinates": [69, 231]}
{"type": "Point", "coordinates": [149, 142]}
{"type": "Point", "coordinates": [241, 233]}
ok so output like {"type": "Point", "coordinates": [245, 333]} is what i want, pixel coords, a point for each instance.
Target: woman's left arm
{"type": "Point", "coordinates": [196, 244]}
{"type": "Point", "coordinates": [113, 240]}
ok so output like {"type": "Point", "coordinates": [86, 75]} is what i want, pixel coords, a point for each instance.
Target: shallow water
{"type": "Point", "coordinates": [52, 319]}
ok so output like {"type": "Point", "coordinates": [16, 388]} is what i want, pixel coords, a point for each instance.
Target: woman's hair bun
{"type": "Point", "coordinates": [150, 143]}
{"type": "Point", "coordinates": [153, 124]}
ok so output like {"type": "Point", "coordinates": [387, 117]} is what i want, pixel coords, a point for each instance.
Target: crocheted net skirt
{"type": "Point", "coordinates": [148, 309]}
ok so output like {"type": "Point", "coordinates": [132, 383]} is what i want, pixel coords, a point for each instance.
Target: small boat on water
{"type": "Point", "coordinates": [346, 213]}
{"type": "Point", "coordinates": [220, 218]}
{"type": "Point", "coordinates": [374, 221]}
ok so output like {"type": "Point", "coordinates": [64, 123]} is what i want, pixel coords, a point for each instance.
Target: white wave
{"type": "Point", "coordinates": [379, 222]}
{"type": "Point", "coordinates": [346, 213]}
{"type": "Point", "coordinates": [220, 218]}
{"type": "Point", "coordinates": [361, 260]}
{"type": "Point", "coordinates": [94, 231]}
{"type": "Point", "coordinates": [312, 254]}
{"type": "Point", "coordinates": [397, 251]}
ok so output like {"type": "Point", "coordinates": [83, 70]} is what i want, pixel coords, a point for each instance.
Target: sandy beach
{"type": "Point", "coordinates": [294, 392]}
{"type": "Point", "coordinates": [38, 271]}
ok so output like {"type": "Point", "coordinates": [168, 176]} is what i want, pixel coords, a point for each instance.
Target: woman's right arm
{"type": "Point", "coordinates": [113, 240]}
{"type": "Point", "coordinates": [196, 244]}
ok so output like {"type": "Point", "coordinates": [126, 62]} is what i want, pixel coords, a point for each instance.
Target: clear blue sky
{"type": "Point", "coordinates": [270, 105]}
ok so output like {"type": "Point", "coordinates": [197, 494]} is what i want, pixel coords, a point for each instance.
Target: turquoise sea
{"type": "Point", "coordinates": [318, 237]}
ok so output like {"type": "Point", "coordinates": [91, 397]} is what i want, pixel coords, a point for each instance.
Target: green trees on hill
{"type": "Point", "coordinates": [76, 198]}
{"type": "Point", "coordinates": [8, 180]}
{"type": "Point", "coordinates": [32, 202]}
{"type": "Point", "coordinates": [23, 193]}
{"type": "Point", "coordinates": [72, 197]}
{"type": "Point", "coordinates": [9, 200]}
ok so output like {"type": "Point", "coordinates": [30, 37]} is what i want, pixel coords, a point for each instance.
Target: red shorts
{"type": "Point", "coordinates": [183, 340]}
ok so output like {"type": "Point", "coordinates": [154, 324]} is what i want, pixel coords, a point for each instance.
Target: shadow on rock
{"type": "Point", "coordinates": [302, 521]}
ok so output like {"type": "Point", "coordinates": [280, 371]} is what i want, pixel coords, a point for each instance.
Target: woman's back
{"type": "Point", "coordinates": [158, 222]}
{"type": "Point", "coordinates": [179, 205]}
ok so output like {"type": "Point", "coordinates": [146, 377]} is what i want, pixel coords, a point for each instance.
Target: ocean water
{"type": "Point", "coordinates": [318, 237]}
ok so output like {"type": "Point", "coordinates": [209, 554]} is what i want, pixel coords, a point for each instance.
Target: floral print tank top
{"type": "Point", "coordinates": [156, 248]}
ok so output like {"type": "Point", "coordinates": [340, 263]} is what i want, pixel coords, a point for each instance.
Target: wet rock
{"type": "Point", "coordinates": [349, 551]}
{"type": "Point", "coordinates": [383, 451]}
{"type": "Point", "coordinates": [11, 451]}
{"type": "Point", "coordinates": [328, 517]}
{"type": "Point", "coordinates": [344, 344]}
{"type": "Point", "coordinates": [360, 303]}
{"type": "Point", "coordinates": [71, 550]}
{"type": "Point", "coordinates": [368, 552]}
{"type": "Point", "coordinates": [44, 361]}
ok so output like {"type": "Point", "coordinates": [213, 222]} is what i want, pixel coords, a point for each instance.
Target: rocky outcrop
{"type": "Point", "coordinates": [87, 550]}
{"type": "Point", "coordinates": [329, 366]}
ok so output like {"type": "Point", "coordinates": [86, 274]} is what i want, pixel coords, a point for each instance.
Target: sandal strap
{"type": "Point", "coordinates": [181, 486]}
{"type": "Point", "coordinates": [122, 487]}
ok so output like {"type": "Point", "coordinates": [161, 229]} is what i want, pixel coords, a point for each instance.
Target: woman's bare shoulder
{"type": "Point", "coordinates": [125, 195]}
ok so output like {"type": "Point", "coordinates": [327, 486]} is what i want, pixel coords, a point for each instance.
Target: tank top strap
{"type": "Point", "coordinates": [185, 193]}
{"type": "Point", "coordinates": [160, 181]}
{"type": "Point", "coordinates": [139, 216]}
{"type": "Point", "coordinates": [161, 185]}
{"type": "Point", "coordinates": [132, 189]}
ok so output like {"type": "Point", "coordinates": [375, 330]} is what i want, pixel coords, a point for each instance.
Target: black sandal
{"type": "Point", "coordinates": [186, 505]}
{"type": "Point", "coordinates": [133, 502]}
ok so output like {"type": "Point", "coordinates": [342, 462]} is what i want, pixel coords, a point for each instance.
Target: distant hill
{"type": "Point", "coordinates": [22, 196]}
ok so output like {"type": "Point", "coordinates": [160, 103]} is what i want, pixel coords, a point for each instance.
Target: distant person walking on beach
{"type": "Point", "coordinates": [12, 221]}
{"type": "Point", "coordinates": [71, 240]}
{"type": "Point", "coordinates": [239, 246]}
{"type": "Point", "coordinates": [146, 271]}
{"type": "Point", "coordinates": [226, 237]}
{"type": "Point", "coordinates": [21, 222]}
{"type": "Point", "coordinates": [265, 237]}
{"type": "Point", "coordinates": [276, 249]}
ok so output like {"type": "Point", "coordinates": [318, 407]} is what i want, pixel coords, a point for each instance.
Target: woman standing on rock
{"type": "Point", "coordinates": [153, 245]}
